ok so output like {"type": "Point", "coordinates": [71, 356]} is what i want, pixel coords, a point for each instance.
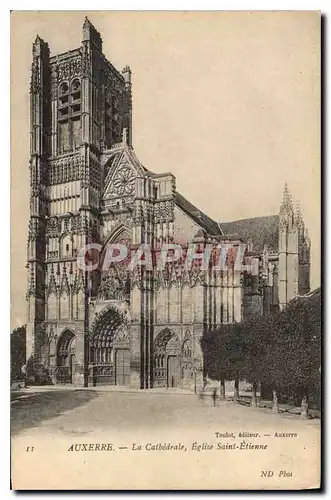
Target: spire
{"type": "Point", "coordinates": [298, 220]}
{"type": "Point", "coordinates": [87, 23]}
{"type": "Point", "coordinates": [64, 287]}
{"type": "Point", "coordinates": [287, 203]}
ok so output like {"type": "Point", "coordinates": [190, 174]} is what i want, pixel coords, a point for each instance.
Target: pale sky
{"type": "Point", "coordinates": [228, 102]}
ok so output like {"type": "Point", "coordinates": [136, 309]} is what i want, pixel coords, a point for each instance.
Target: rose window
{"type": "Point", "coordinates": [124, 182]}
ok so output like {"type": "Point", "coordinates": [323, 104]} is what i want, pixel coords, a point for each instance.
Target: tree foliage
{"type": "Point", "coordinates": [223, 352]}
{"type": "Point", "coordinates": [297, 348]}
{"type": "Point", "coordinates": [282, 350]}
{"type": "Point", "coordinates": [17, 351]}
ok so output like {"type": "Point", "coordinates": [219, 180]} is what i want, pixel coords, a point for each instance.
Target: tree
{"type": "Point", "coordinates": [292, 358]}
{"type": "Point", "coordinates": [298, 357]}
{"type": "Point", "coordinates": [235, 352]}
{"type": "Point", "coordinates": [257, 333]}
{"type": "Point", "coordinates": [282, 351]}
{"type": "Point", "coordinates": [17, 351]}
{"type": "Point", "coordinates": [213, 348]}
{"type": "Point", "coordinates": [223, 353]}
{"type": "Point", "coordinates": [274, 361]}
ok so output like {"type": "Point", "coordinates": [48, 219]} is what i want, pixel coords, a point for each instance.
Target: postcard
{"type": "Point", "coordinates": [165, 250]}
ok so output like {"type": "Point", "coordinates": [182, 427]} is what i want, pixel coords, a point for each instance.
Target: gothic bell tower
{"type": "Point", "coordinates": [80, 105]}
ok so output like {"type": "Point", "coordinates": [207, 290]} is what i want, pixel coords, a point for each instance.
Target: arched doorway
{"type": "Point", "coordinates": [167, 359]}
{"type": "Point", "coordinates": [65, 358]}
{"type": "Point", "coordinates": [109, 348]}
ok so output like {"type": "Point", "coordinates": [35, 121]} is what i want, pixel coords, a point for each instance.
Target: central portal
{"type": "Point", "coordinates": [109, 348]}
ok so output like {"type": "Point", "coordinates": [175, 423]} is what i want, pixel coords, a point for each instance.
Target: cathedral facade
{"type": "Point", "coordinates": [138, 326]}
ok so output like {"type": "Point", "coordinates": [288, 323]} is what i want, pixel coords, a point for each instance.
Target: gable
{"type": "Point", "coordinates": [184, 228]}
{"type": "Point", "coordinates": [121, 168]}
{"type": "Point", "coordinates": [120, 173]}
{"type": "Point", "coordinates": [201, 220]}
{"type": "Point", "coordinates": [121, 181]}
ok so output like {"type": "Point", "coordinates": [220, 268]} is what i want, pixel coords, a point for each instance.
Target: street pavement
{"type": "Point", "coordinates": [87, 411]}
{"type": "Point", "coordinates": [137, 428]}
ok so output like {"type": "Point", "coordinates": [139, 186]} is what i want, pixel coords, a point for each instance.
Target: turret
{"type": "Point", "coordinates": [40, 98]}
{"type": "Point", "coordinates": [90, 34]}
{"type": "Point", "coordinates": [293, 251]}
{"type": "Point", "coordinates": [304, 255]}
{"type": "Point", "coordinates": [40, 135]}
{"type": "Point", "coordinates": [127, 121]}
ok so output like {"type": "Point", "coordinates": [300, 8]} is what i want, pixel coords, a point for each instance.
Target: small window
{"type": "Point", "coordinates": [75, 94]}
{"type": "Point", "coordinates": [63, 88]}
{"type": "Point", "coordinates": [75, 86]}
{"type": "Point", "coordinates": [67, 247]}
{"type": "Point", "coordinates": [75, 108]}
{"type": "Point", "coordinates": [63, 112]}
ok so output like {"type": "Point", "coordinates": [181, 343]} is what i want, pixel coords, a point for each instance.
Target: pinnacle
{"type": "Point", "coordinates": [39, 40]}
{"type": "Point", "coordinates": [87, 21]}
{"type": "Point", "coordinates": [298, 216]}
{"type": "Point", "coordinates": [287, 203]}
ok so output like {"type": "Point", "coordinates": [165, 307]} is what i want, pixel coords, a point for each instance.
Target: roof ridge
{"type": "Point", "coordinates": [250, 218]}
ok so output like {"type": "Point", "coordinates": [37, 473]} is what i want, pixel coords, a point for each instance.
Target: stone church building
{"type": "Point", "coordinates": [141, 327]}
